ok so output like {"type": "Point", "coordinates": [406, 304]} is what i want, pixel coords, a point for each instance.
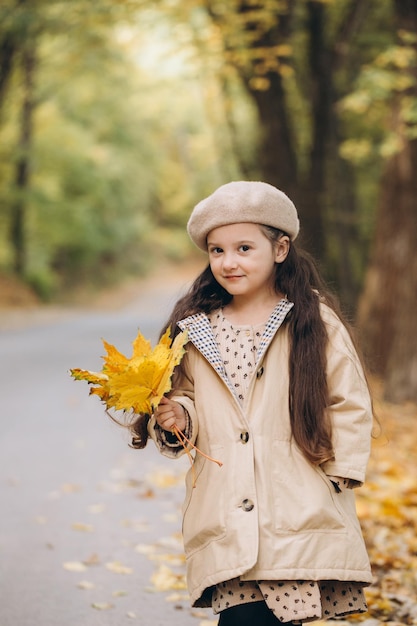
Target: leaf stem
{"type": "Point", "coordinates": [184, 441]}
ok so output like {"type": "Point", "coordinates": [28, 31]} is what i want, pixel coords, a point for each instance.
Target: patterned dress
{"type": "Point", "coordinates": [289, 600]}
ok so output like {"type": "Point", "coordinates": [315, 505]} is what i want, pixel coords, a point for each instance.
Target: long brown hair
{"type": "Point", "coordinates": [298, 278]}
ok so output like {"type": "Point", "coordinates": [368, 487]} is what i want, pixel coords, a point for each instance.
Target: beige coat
{"type": "Point", "coordinates": [268, 513]}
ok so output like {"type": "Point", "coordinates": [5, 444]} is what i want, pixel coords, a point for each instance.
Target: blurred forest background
{"type": "Point", "coordinates": [116, 116]}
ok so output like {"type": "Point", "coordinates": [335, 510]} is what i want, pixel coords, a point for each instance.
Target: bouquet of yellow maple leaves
{"type": "Point", "coordinates": [138, 384]}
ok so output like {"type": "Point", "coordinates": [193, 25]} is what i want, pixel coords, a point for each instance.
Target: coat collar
{"type": "Point", "coordinates": [201, 336]}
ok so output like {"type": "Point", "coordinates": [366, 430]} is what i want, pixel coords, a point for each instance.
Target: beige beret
{"type": "Point", "coordinates": [243, 201]}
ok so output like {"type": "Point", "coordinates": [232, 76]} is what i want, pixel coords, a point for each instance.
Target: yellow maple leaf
{"type": "Point", "coordinates": [146, 377]}
{"type": "Point", "coordinates": [137, 383]}
{"type": "Point", "coordinates": [114, 361]}
{"type": "Point", "coordinates": [142, 347]}
{"type": "Point", "coordinates": [91, 377]}
{"type": "Point", "coordinates": [174, 356]}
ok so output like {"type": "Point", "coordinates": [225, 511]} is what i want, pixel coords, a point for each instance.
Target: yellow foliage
{"type": "Point", "coordinates": [137, 383]}
{"type": "Point", "coordinates": [386, 506]}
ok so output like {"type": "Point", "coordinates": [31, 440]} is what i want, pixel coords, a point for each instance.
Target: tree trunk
{"type": "Point", "coordinates": [264, 29]}
{"type": "Point", "coordinates": [7, 51]}
{"type": "Point", "coordinates": [277, 159]}
{"type": "Point", "coordinates": [345, 257]}
{"type": "Point", "coordinates": [19, 208]}
{"type": "Point", "coordinates": [328, 198]}
{"type": "Point", "coordinates": [9, 44]}
{"type": "Point", "coordinates": [276, 149]}
{"type": "Point", "coordinates": [320, 98]}
{"type": "Point", "coordinates": [387, 315]}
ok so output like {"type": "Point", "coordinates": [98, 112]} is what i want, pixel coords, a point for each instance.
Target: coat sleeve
{"type": "Point", "coordinates": [350, 407]}
{"type": "Point", "coordinates": [184, 395]}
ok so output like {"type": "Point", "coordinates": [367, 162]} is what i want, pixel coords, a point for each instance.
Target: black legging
{"type": "Point", "coordinates": [249, 614]}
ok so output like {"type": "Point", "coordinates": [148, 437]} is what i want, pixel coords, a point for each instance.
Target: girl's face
{"type": "Point", "coordinates": [243, 259]}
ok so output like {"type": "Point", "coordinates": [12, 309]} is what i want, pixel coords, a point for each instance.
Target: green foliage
{"type": "Point", "coordinates": [120, 146]}
{"type": "Point", "coordinates": [389, 79]}
{"type": "Point", "coordinates": [380, 112]}
{"type": "Point", "coordinates": [141, 108]}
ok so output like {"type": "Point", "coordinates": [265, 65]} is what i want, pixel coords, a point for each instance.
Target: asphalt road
{"type": "Point", "coordinates": [85, 521]}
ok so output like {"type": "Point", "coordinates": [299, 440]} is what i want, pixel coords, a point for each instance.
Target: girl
{"type": "Point", "coordinates": [271, 385]}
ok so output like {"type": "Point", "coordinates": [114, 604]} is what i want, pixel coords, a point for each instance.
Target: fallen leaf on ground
{"type": "Point", "coordinates": [147, 494]}
{"type": "Point", "coordinates": [177, 597]}
{"type": "Point", "coordinates": [96, 508]}
{"type": "Point", "coordinates": [85, 584]}
{"type": "Point", "coordinates": [138, 526]}
{"type": "Point", "coordinates": [74, 566]}
{"type": "Point", "coordinates": [174, 559]}
{"type": "Point", "coordinates": [165, 579]}
{"type": "Point", "coordinates": [118, 568]}
{"type": "Point", "coordinates": [81, 527]}
{"type": "Point", "coordinates": [171, 518]}
{"type": "Point", "coordinates": [164, 479]}
{"type": "Point", "coordinates": [70, 488]}
{"type": "Point", "coordinates": [145, 548]}
{"type": "Point", "coordinates": [93, 559]}
{"type": "Point", "coordinates": [102, 606]}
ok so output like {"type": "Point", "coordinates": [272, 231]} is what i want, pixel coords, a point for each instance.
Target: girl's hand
{"type": "Point", "coordinates": [169, 414]}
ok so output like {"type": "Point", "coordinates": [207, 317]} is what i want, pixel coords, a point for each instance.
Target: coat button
{"type": "Point", "coordinates": [259, 372]}
{"type": "Point", "coordinates": [244, 436]}
{"type": "Point", "coordinates": [247, 505]}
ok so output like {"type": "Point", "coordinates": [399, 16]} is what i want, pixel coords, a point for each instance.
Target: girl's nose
{"type": "Point", "coordinates": [229, 260]}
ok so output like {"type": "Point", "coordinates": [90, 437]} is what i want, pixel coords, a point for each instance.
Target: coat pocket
{"type": "Point", "coordinates": [204, 505]}
{"type": "Point", "coordinates": [304, 498]}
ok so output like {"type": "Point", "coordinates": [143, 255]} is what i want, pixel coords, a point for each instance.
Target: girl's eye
{"type": "Point", "coordinates": [215, 250]}
{"type": "Point", "coordinates": [244, 248]}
